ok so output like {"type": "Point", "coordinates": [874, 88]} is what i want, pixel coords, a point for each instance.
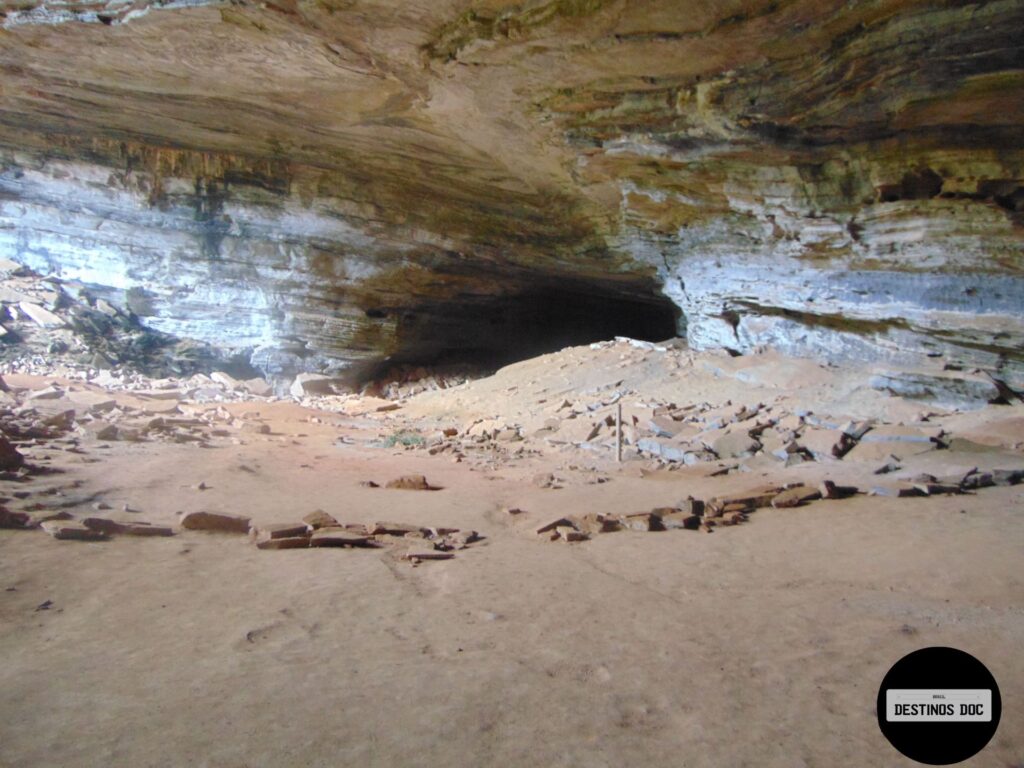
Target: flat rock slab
{"type": "Point", "coordinates": [420, 554]}
{"type": "Point", "coordinates": [392, 529]}
{"type": "Point", "coordinates": [760, 496]}
{"type": "Point", "coordinates": [71, 531]}
{"type": "Point", "coordinates": [338, 537]}
{"type": "Point", "coordinates": [823, 444]}
{"type": "Point", "coordinates": [894, 433]}
{"type": "Point", "coordinates": [794, 497]}
{"type": "Point", "coordinates": [95, 402]}
{"type": "Point", "coordinates": [641, 521]}
{"type": "Point", "coordinates": [320, 519]}
{"type": "Point", "coordinates": [569, 533]}
{"type": "Point", "coordinates": [294, 542]}
{"type": "Point", "coordinates": [281, 531]}
{"type": "Point", "coordinates": [884, 451]}
{"type": "Point", "coordinates": [735, 445]}
{"type": "Point", "coordinates": [134, 528]}
{"type": "Point", "coordinates": [959, 390]}
{"type": "Point", "coordinates": [40, 315]}
{"type": "Point", "coordinates": [830, 490]}
{"type": "Point", "coordinates": [662, 449]}
{"type": "Point", "coordinates": [664, 426]}
{"type": "Point", "coordinates": [965, 445]}
{"type": "Point", "coordinates": [46, 393]}
{"type": "Point", "coordinates": [215, 521]}
{"type": "Point", "coordinates": [895, 490]}
{"type": "Point", "coordinates": [595, 522]}
{"type": "Point", "coordinates": [159, 394]}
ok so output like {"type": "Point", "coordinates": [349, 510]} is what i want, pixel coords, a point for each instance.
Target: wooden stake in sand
{"type": "Point", "coordinates": [618, 431]}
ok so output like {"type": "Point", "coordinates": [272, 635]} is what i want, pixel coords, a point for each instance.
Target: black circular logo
{"type": "Point", "coordinates": [939, 706]}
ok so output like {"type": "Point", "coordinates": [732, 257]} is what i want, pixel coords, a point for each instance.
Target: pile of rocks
{"type": "Point", "coordinates": [734, 508]}
{"type": "Point", "coordinates": [85, 413]}
{"type": "Point", "coordinates": [405, 381]}
{"type": "Point", "coordinates": [48, 325]}
{"type": "Point", "coordinates": [414, 543]}
{"type": "Point", "coordinates": [64, 526]}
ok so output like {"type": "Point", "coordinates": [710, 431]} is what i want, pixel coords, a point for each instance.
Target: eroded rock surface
{"type": "Point", "coordinates": [328, 184]}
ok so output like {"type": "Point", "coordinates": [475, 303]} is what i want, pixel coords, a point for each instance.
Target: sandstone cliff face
{"type": "Point", "coordinates": [332, 182]}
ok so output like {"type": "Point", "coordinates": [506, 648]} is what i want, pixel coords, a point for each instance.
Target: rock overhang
{"type": "Point", "coordinates": [829, 179]}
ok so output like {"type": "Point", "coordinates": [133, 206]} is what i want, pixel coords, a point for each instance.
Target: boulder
{"type": "Point", "coordinates": [258, 387]}
{"type": "Point", "coordinates": [306, 384]}
{"type": "Point", "coordinates": [227, 381]}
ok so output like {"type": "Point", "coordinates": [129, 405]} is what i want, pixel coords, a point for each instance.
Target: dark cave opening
{"type": "Point", "coordinates": [494, 332]}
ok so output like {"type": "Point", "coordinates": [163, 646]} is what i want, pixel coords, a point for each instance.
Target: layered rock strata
{"type": "Point", "coordinates": [329, 184]}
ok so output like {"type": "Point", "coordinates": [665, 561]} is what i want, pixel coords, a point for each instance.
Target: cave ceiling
{"type": "Point", "coordinates": [630, 143]}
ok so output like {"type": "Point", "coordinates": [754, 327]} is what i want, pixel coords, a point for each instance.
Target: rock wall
{"type": "Point", "coordinates": [334, 183]}
{"type": "Point", "coordinates": [228, 251]}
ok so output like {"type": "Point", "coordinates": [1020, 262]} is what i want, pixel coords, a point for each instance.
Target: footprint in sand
{"type": "Point", "coordinates": [275, 635]}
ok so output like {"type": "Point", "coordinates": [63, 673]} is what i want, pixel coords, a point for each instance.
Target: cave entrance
{"type": "Point", "coordinates": [487, 334]}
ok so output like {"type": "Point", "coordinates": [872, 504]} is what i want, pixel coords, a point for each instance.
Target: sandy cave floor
{"type": "Point", "coordinates": [761, 644]}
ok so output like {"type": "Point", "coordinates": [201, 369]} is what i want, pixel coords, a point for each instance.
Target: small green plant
{"type": "Point", "coordinates": [403, 438]}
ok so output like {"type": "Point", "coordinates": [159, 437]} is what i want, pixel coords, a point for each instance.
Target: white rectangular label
{"type": "Point", "coordinates": [949, 705]}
